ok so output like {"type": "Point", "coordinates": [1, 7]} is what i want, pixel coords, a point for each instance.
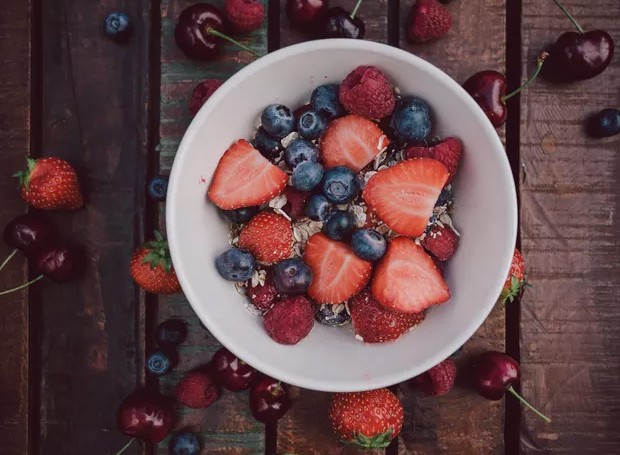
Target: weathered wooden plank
{"type": "Point", "coordinates": [570, 192]}
{"type": "Point", "coordinates": [227, 427]}
{"type": "Point", "coordinates": [460, 422]}
{"type": "Point", "coordinates": [15, 95]}
{"type": "Point", "coordinates": [94, 113]}
{"type": "Point", "coordinates": [306, 429]}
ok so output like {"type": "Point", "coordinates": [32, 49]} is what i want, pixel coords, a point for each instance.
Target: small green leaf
{"type": "Point", "coordinates": [158, 236]}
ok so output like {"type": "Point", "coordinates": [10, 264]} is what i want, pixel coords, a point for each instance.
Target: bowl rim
{"type": "Point", "coordinates": [228, 340]}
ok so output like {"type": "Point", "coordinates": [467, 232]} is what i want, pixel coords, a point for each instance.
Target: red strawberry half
{"type": "Point", "coordinates": [337, 273]}
{"type": "Point", "coordinates": [404, 196]}
{"type": "Point", "coordinates": [429, 20]}
{"type": "Point", "coordinates": [407, 279]}
{"type": "Point", "coordinates": [448, 152]}
{"type": "Point", "coordinates": [268, 236]}
{"type": "Point", "coordinates": [376, 324]}
{"type": "Point", "coordinates": [244, 177]}
{"type": "Point", "coordinates": [352, 141]}
{"type": "Point", "coordinates": [441, 242]}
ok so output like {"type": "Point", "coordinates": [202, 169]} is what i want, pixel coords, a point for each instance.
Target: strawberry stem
{"type": "Point", "coordinates": [539, 63]}
{"type": "Point", "coordinates": [22, 286]}
{"type": "Point", "coordinates": [8, 258]}
{"type": "Point", "coordinates": [570, 16]}
{"type": "Point", "coordinates": [212, 31]}
{"type": "Point", "coordinates": [126, 446]}
{"type": "Point", "coordinates": [524, 401]}
{"type": "Point", "coordinates": [355, 8]}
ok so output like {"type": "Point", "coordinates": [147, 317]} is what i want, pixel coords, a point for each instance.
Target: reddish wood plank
{"type": "Point", "coordinates": [570, 235]}
{"type": "Point", "coordinates": [305, 429]}
{"type": "Point", "coordinates": [227, 427]}
{"type": "Point", "coordinates": [14, 311]}
{"type": "Point", "coordinates": [94, 115]}
{"type": "Point", "coordinates": [460, 422]}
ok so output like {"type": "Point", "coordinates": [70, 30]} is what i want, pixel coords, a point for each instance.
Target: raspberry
{"type": "Point", "coordinates": [263, 297]}
{"type": "Point", "coordinates": [429, 20]}
{"type": "Point", "coordinates": [296, 202]}
{"type": "Point", "coordinates": [437, 381]}
{"type": "Point", "coordinates": [448, 152]}
{"type": "Point", "coordinates": [245, 15]}
{"type": "Point", "coordinates": [441, 242]}
{"type": "Point", "coordinates": [202, 92]}
{"type": "Point", "coordinates": [290, 320]}
{"type": "Point", "coordinates": [366, 91]}
{"type": "Point", "coordinates": [197, 390]}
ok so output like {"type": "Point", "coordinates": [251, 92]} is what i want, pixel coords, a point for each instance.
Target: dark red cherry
{"type": "Point", "coordinates": [269, 399]}
{"type": "Point", "coordinates": [337, 23]}
{"type": "Point", "coordinates": [305, 13]}
{"type": "Point", "coordinates": [230, 371]}
{"type": "Point", "coordinates": [146, 415]}
{"type": "Point", "coordinates": [29, 232]}
{"type": "Point", "coordinates": [487, 88]}
{"type": "Point", "coordinates": [61, 263]}
{"type": "Point", "coordinates": [193, 31]}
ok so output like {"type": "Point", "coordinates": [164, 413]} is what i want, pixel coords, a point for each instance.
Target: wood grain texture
{"type": "Point", "coordinates": [227, 427]}
{"type": "Point", "coordinates": [460, 422]}
{"type": "Point", "coordinates": [14, 310]}
{"type": "Point", "coordinates": [570, 191]}
{"type": "Point", "coordinates": [94, 112]}
{"type": "Point", "coordinates": [306, 429]}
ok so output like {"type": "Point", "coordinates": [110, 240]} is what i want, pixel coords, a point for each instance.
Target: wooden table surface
{"type": "Point", "coordinates": [70, 353]}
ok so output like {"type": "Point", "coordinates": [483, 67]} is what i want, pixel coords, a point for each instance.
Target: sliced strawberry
{"type": "Point", "coordinates": [244, 177]}
{"type": "Point", "coordinates": [374, 323]}
{"type": "Point", "coordinates": [448, 152]}
{"type": "Point", "coordinates": [268, 236]}
{"type": "Point", "coordinates": [407, 279]}
{"type": "Point", "coordinates": [404, 196]}
{"type": "Point", "coordinates": [337, 273]}
{"type": "Point", "coordinates": [352, 141]}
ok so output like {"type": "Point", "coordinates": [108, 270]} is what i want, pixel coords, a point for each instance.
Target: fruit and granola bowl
{"type": "Point", "coordinates": [341, 215]}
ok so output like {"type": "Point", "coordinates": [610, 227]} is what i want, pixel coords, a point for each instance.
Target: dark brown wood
{"type": "Point", "coordinates": [570, 234]}
{"type": "Point", "coordinates": [14, 312]}
{"type": "Point", "coordinates": [94, 115]}
{"type": "Point", "coordinates": [460, 422]}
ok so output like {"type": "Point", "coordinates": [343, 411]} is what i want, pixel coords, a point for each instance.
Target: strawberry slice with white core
{"type": "Point", "coordinates": [244, 178]}
{"type": "Point", "coordinates": [407, 279]}
{"type": "Point", "coordinates": [403, 196]}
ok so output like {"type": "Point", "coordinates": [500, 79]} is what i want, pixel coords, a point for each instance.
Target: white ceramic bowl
{"type": "Point", "coordinates": [331, 359]}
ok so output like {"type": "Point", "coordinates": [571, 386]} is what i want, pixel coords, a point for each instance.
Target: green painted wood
{"type": "Point", "coordinates": [227, 427]}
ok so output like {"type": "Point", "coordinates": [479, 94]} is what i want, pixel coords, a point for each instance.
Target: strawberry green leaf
{"type": "Point", "coordinates": [374, 442]}
{"type": "Point", "coordinates": [158, 236]}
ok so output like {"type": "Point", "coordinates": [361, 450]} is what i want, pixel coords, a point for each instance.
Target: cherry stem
{"type": "Point", "coordinates": [523, 400]}
{"type": "Point", "coordinates": [212, 31]}
{"type": "Point", "coordinates": [25, 285]}
{"type": "Point", "coordinates": [126, 446]}
{"type": "Point", "coordinates": [356, 8]}
{"type": "Point", "coordinates": [8, 258]}
{"type": "Point", "coordinates": [539, 63]}
{"type": "Point", "coordinates": [570, 16]}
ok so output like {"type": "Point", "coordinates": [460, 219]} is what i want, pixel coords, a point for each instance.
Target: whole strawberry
{"type": "Point", "coordinates": [515, 282]}
{"type": "Point", "coordinates": [50, 184]}
{"type": "Point", "coordinates": [366, 91]}
{"type": "Point", "coordinates": [151, 267]}
{"type": "Point", "coordinates": [437, 381]}
{"type": "Point", "coordinates": [369, 419]}
{"type": "Point", "coordinates": [202, 92]}
{"type": "Point", "coordinates": [429, 20]}
{"type": "Point", "coordinates": [268, 236]}
{"type": "Point", "coordinates": [245, 15]}
{"type": "Point", "coordinates": [448, 152]}
{"type": "Point", "coordinates": [197, 390]}
{"type": "Point", "coordinates": [441, 242]}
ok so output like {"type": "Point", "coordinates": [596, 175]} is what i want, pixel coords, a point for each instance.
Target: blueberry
{"type": "Point", "coordinates": [339, 225]}
{"type": "Point", "coordinates": [241, 215]}
{"type": "Point", "coordinates": [292, 276]}
{"type": "Point", "coordinates": [158, 187]}
{"type": "Point", "coordinates": [605, 123]}
{"type": "Point", "coordinates": [411, 119]}
{"type": "Point", "coordinates": [332, 315]}
{"type": "Point", "coordinates": [171, 333]}
{"type": "Point", "coordinates": [325, 100]}
{"type": "Point", "coordinates": [307, 175]}
{"type": "Point", "coordinates": [318, 208]}
{"type": "Point", "coordinates": [300, 150]}
{"type": "Point", "coordinates": [340, 185]}
{"type": "Point", "coordinates": [236, 264]}
{"type": "Point", "coordinates": [162, 362]}
{"type": "Point", "coordinates": [268, 146]}
{"type": "Point", "coordinates": [184, 444]}
{"type": "Point", "coordinates": [368, 244]}
{"type": "Point", "coordinates": [278, 120]}
{"type": "Point", "coordinates": [311, 125]}
{"type": "Point", "coordinates": [118, 27]}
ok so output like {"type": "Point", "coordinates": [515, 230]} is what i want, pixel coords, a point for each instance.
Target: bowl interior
{"type": "Point", "coordinates": [331, 359]}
